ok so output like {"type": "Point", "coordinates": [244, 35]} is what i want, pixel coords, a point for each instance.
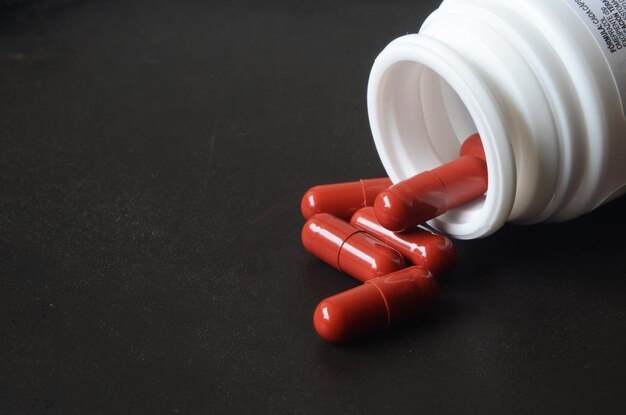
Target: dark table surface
{"type": "Point", "coordinates": [153, 154]}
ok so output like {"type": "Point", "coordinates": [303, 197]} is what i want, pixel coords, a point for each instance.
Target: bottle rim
{"type": "Point", "coordinates": [391, 129]}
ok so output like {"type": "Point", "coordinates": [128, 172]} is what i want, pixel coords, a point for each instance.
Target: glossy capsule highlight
{"type": "Point", "coordinates": [342, 199]}
{"type": "Point", "coordinates": [431, 193]}
{"type": "Point", "coordinates": [419, 246]}
{"type": "Point", "coordinates": [349, 249]}
{"type": "Point", "coordinates": [375, 305]}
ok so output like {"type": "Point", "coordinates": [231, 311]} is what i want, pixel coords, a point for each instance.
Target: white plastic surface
{"type": "Point", "coordinates": [606, 20]}
{"type": "Point", "coordinates": [530, 77]}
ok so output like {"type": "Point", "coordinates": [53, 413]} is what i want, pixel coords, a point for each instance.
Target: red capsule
{"type": "Point", "coordinates": [342, 199]}
{"type": "Point", "coordinates": [419, 246]}
{"type": "Point", "coordinates": [473, 146]}
{"type": "Point", "coordinates": [431, 193]}
{"type": "Point", "coordinates": [375, 305]}
{"type": "Point", "coordinates": [348, 249]}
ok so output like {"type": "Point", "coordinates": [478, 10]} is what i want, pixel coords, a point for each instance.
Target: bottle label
{"type": "Point", "coordinates": [607, 20]}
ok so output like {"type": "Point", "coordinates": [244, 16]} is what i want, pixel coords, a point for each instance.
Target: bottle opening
{"type": "Point", "coordinates": [430, 122]}
{"type": "Point", "coordinates": [423, 102]}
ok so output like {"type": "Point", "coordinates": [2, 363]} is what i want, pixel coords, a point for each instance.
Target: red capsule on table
{"type": "Point", "coordinates": [375, 305]}
{"type": "Point", "coordinates": [473, 146]}
{"type": "Point", "coordinates": [342, 199]}
{"type": "Point", "coordinates": [349, 249]}
{"type": "Point", "coordinates": [431, 193]}
{"type": "Point", "coordinates": [419, 246]}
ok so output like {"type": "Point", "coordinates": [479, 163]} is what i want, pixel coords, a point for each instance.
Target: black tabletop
{"type": "Point", "coordinates": [153, 155]}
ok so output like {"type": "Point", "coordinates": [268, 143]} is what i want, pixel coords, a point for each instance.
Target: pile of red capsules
{"type": "Point", "coordinates": [383, 245]}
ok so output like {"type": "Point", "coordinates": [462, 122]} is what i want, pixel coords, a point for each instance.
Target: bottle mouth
{"type": "Point", "coordinates": [424, 100]}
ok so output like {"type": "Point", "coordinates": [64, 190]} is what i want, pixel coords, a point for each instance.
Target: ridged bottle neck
{"type": "Point", "coordinates": [507, 46]}
{"type": "Point", "coordinates": [487, 66]}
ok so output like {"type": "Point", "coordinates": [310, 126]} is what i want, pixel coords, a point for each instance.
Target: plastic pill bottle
{"type": "Point", "coordinates": [542, 81]}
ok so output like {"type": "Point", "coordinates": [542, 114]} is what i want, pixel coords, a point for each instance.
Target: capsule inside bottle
{"type": "Point", "coordinates": [432, 193]}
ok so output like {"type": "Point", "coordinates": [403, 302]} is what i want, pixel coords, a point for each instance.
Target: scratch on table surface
{"type": "Point", "coordinates": [23, 57]}
{"type": "Point", "coordinates": [337, 121]}
{"type": "Point", "coordinates": [267, 212]}
{"type": "Point", "coordinates": [70, 194]}
{"type": "Point", "coordinates": [6, 218]}
{"type": "Point", "coordinates": [65, 202]}
{"type": "Point", "coordinates": [211, 147]}
{"type": "Point", "coordinates": [14, 56]}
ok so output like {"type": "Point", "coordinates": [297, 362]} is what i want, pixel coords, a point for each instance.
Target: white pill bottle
{"type": "Point", "coordinates": [542, 81]}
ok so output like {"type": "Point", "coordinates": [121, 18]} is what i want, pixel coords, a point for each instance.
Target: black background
{"type": "Point", "coordinates": [153, 155]}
